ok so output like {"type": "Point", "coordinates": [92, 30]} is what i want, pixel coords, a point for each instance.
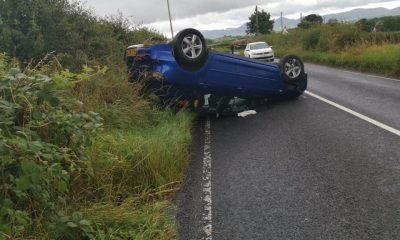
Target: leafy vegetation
{"type": "Point", "coordinates": [42, 139]}
{"type": "Point", "coordinates": [31, 29]}
{"type": "Point", "coordinates": [68, 172]}
{"type": "Point", "coordinates": [310, 20]}
{"type": "Point", "coordinates": [82, 154]}
{"type": "Point", "coordinates": [342, 44]}
{"type": "Point", "coordinates": [384, 24]}
{"type": "Point", "coordinates": [353, 45]}
{"type": "Point", "coordinates": [260, 22]}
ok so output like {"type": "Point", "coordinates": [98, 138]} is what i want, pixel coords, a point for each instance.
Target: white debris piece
{"type": "Point", "coordinates": [246, 113]}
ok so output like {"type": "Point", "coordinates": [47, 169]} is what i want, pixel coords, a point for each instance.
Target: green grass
{"type": "Point", "coordinates": [130, 220]}
{"type": "Point", "coordinates": [136, 164]}
{"type": "Point", "coordinates": [341, 45]}
{"type": "Point", "coordinates": [381, 59]}
{"type": "Point", "coordinates": [136, 159]}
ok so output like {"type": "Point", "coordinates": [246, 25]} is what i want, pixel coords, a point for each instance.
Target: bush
{"type": "Point", "coordinates": [31, 29]}
{"type": "Point", "coordinates": [311, 39]}
{"type": "Point", "coordinates": [42, 138]}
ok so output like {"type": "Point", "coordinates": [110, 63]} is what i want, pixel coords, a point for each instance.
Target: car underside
{"type": "Point", "coordinates": [185, 70]}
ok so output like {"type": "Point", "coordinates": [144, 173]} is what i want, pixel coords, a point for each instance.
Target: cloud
{"type": "Point", "coordinates": [147, 11]}
{"type": "Point", "coordinates": [216, 14]}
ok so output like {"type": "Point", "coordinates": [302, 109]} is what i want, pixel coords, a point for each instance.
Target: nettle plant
{"type": "Point", "coordinates": [42, 138]}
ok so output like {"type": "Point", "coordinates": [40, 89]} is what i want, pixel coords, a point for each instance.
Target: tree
{"type": "Point", "coordinates": [333, 21]}
{"type": "Point", "coordinates": [265, 25]}
{"type": "Point", "coordinates": [31, 29]}
{"type": "Point", "coordinates": [310, 20]}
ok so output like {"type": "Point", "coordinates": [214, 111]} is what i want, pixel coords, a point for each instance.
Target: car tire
{"type": "Point", "coordinates": [292, 69]}
{"type": "Point", "coordinates": [190, 49]}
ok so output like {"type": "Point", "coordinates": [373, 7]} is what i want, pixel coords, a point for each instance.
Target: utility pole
{"type": "Point", "coordinates": [170, 20]}
{"type": "Point", "coordinates": [281, 22]}
{"type": "Point", "coordinates": [257, 20]}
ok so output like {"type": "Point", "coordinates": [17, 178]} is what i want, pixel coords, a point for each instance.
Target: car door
{"type": "Point", "coordinates": [256, 77]}
{"type": "Point", "coordinates": [220, 75]}
{"type": "Point", "coordinates": [238, 76]}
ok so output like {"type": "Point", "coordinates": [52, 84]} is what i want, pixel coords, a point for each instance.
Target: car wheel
{"type": "Point", "coordinates": [190, 50]}
{"type": "Point", "coordinates": [292, 68]}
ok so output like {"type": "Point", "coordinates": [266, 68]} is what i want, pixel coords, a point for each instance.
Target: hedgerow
{"type": "Point", "coordinates": [43, 135]}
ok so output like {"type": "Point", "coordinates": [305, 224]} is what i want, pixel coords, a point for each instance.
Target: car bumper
{"type": "Point", "coordinates": [263, 57]}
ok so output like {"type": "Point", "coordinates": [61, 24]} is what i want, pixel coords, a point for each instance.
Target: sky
{"type": "Point", "coordinates": [219, 14]}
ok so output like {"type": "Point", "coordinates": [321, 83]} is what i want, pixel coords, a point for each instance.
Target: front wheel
{"type": "Point", "coordinates": [190, 50]}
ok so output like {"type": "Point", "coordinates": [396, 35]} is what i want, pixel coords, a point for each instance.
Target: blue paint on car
{"type": "Point", "coordinates": [223, 74]}
{"type": "Point", "coordinates": [186, 70]}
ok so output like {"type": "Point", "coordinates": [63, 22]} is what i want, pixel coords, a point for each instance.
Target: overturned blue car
{"type": "Point", "coordinates": [185, 70]}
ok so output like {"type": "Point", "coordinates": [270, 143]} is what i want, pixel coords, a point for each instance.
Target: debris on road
{"type": "Point", "coordinates": [247, 113]}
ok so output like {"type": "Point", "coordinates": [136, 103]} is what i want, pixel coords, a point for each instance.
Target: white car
{"type": "Point", "coordinates": [259, 50]}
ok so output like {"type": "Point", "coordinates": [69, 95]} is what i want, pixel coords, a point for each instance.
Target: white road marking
{"type": "Point", "coordinates": [354, 113]}
{"type": "Point", "coordinates": [207, 201]}
{"type": "Point", "coordinates": [369, 75]}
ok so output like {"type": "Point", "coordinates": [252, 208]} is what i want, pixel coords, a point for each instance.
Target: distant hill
{"type": "Point", "coordinates": [352, 15]}
{"type": "Point", "coordinates": [359, 13]}
{"type": "Point", "coordinates": [289, 23]}
{"type": "Point", "coordinates": [213, 34]}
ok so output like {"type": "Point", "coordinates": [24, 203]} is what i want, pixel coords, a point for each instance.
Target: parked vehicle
{"type": "Point", "coordinates": [259, 50]}
{"type": "Point", "coordinates": [184, 69]}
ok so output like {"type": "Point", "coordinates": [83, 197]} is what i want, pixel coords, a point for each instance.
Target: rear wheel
{"type": "Point", "coordinates": [190, 49]}
{"type": "Point", "coordinates": [292, 68]}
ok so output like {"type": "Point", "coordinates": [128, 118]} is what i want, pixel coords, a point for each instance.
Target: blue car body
{"type": "Point", "coordinates": [221, 74]}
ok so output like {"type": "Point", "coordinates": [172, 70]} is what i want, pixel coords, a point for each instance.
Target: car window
{"type": "Point", "coordinates": [256, 46]}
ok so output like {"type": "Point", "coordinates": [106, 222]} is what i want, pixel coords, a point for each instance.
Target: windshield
{"type": "Point", "coordinates": [256, 46]}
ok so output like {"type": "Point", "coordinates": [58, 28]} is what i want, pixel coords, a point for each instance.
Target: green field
{"type": "Point", "coordinates": [342, 44]}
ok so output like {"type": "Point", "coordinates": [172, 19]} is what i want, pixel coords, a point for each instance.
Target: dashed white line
{"type": "Point", "coordinates": [369, 75]}
{"type": "Point", "coordinates": [207, 200]}
{"type": "Point", "coordinates": [354, 113]}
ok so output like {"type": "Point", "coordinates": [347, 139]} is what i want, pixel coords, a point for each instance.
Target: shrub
{"type": "Point", "coordinates": [42, 138]}
{"type": "Point", "coordinates": [311, 39]}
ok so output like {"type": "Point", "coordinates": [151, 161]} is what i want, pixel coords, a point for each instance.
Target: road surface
{"type": "Point", "coordinates": [303, 169]}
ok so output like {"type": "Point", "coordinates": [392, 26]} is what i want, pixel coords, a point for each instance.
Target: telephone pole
{"type": "Point", "coordinates": [170, 20]}
{"type": "Point", "coordinates": [256, 20]}
{"type": "Point", "coordinates": [281, 22]}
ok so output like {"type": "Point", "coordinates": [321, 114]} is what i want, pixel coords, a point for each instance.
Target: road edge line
{"type": "Point", "coordinates": [207, 197]}
{"type": "Point", "coordinates": [354, 113]}
{"type": "Point", "coordinates": [371, 75]}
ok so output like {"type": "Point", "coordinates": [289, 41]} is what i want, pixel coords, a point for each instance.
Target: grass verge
{"type": "Point", "coordinates": [343, 44]}
{"type": "Point", "coordinates": [137, 163]}
{"type": "Point", "coordinates": [381, 59]}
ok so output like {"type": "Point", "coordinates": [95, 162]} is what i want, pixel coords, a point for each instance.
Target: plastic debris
{"type": "Point", "coordinates": [246, 113]}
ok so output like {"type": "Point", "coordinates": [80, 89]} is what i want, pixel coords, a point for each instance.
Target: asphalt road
{"type": "Point", "coordinates": [300, 169]}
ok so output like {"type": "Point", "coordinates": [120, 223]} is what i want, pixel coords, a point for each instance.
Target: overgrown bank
{"type": "Point", "coordinates": [344, 45]}
{"type": "Point", "coordinates": [82, 154]}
